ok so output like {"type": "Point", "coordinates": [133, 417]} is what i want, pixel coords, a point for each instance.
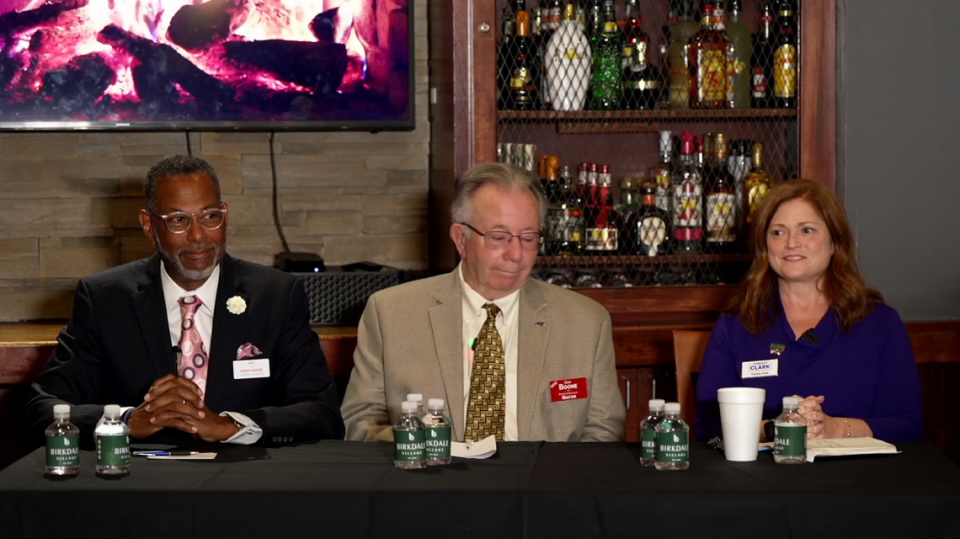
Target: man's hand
{"type": "Point", "coordinates": [171, 401]}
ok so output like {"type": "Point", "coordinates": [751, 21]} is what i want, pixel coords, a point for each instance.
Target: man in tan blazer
{"type": "Point", "coordinates": [552, 350]}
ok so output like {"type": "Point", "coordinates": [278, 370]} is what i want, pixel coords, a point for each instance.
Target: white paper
{"type": "Point", "coordinates": [841, 447]}
{"type": "Point", "coordinates": [477, 450]}
{"type": "Point", "coordinates": [251, 368]}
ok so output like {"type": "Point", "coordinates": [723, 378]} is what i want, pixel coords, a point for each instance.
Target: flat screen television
{"type": "Point", "coordinates": [206, 64]}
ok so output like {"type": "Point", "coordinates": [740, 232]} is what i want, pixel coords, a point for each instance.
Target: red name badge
{"type": "Point", "coordinates": [568, 390]}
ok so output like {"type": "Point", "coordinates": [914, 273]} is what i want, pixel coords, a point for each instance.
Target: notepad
{"type": "Point", "coordinates": [845, 447]}
{"type": "Point", "coordinates": [198, 456]}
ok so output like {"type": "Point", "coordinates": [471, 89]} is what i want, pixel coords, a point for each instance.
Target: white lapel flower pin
{"type": "Point", "coordinates": [236, 305]}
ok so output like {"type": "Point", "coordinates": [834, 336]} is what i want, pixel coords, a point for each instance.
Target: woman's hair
{"type": "Point", "coordinates": [757, 298]}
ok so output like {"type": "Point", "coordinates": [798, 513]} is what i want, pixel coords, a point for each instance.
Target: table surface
{"type": "Point", "coordinates": [350, 489]}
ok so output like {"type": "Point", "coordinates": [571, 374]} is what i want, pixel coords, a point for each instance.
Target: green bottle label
{"type": "Point", "coordinates": [648, 444]}
{"type": "Point", "coordinates": [438, 442]}
{"type": "Point", "coordinates": [673, 447]}
{"type": "Point", "coordinates": [63, 450]}
{"type": "Point", "coordinates": [410, 445]}
{"type": "Point", "coordinates": [790, 441]}
{"type": "Point", "coordinates": [113, 450]}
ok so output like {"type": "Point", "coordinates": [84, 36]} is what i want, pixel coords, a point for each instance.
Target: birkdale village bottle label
{"type": "Point", "coordinates": [63, 450]}
{"type": "Point", "coordinates": [673, 447]}
{"type": "Point", "coordinates": [113, 450]}
{"type": "Point", "coordinates": [411, 445]}
{"type": "Point", "coordinates": [791, 440]}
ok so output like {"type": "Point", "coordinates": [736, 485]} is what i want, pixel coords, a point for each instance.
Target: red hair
{"type": "Point", "coordinates": [758, 295]}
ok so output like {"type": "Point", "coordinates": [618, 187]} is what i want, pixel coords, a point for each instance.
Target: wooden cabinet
{"type": "Point", "coordinates": [466, 127]}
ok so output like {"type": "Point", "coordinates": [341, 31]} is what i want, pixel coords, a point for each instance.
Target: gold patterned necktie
{"type": "Point", "coordinates": [487, 404]}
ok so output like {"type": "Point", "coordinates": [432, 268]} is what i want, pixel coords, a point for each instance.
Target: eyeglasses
{"type": "Point", "coordinates": [500, 239]}
{"type": "Point", "coordinates": [179, 222]}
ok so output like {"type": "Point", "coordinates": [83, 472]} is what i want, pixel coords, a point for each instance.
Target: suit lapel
{"type": "Point", "coordinates": [531, 348]}
{"type": "Point", "coordinates": [152, 316]}
{"type": "Point", "coordinates": [446, 318]}
{"type": "Point", "coordinates": [227, 331]}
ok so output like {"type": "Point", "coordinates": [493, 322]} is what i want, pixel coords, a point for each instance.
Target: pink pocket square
{"type": "Point", "coordinates": [247, 350]}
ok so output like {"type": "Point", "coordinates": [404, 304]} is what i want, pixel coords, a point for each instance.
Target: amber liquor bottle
{"type": "Point", "coordinates": [785, 59]}
{"type": "Point", "coordinates": [720, 198]}
{"type": "Point", "coordinates": [756, 186]}
{"type": "Point", "coordinates": [707, 61]}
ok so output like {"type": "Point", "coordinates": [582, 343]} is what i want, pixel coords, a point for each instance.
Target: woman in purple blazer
{"type": "Point", "coordinates": [804, 323]}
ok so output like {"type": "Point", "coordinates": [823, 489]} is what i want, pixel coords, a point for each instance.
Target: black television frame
{"type": "Point", "coordinates": [372, 126]}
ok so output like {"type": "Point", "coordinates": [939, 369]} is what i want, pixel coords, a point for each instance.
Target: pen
{"type": "Point", "coordinates": [165, 453]}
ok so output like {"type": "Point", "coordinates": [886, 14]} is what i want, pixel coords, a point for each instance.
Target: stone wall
{"type": "Point", "coordinates": [69, 201]}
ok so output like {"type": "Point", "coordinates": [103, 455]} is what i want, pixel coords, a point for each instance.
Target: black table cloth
{"type": "Point", "coordinates": [347, 489]}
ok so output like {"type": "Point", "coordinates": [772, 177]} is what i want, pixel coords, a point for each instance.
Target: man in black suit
{"type": "Point", "coordinates": [191, 342]}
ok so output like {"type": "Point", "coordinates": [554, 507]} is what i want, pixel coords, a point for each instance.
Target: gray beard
{"type": "Point", "coordinates": [174, 261]}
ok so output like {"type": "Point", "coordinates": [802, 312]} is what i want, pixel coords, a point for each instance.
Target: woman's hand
{"type": "Point", "coordinates": [819, 424]}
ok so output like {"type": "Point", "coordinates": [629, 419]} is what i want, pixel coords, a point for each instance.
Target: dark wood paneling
{"type": "Point", "coordinates": [445, 57]}
{"type": "Point", "coordinates": [818, 92]}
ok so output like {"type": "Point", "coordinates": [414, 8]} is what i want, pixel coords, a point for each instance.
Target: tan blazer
{"type": "Point", "coordinates": [409, 341]}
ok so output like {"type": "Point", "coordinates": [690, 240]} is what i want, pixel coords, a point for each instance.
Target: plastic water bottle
{"type": "Point", "coordinates": [648, 433]}
{"type": "Point", "coordinates": [790, 434]}
{"type": "Point", "coordinates": [673, 440]}
{"type": "Point", "coordinates": [408, 435]}
{"type": "Point", "coordinates": [113, 443]}
{"type": "Point", "coordinates": [437, 434]}
{"type": "Point", "coordinates": [417, 398]}
{"type": "Point", "coordinates": [63, 443]}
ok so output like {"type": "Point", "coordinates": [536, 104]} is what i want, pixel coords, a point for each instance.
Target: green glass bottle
{"type": "Point", "coordinates": [607, 72]}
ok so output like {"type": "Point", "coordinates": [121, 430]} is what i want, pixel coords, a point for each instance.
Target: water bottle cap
{"type": "Point", "coordinates": [408, 407]}
{"type": "Point", "coordinates": [415, 397]}
{"type": "Point", "coordinates": [61, 410]}
{"type": "Point", "coordinates": [656, 404]}
{"type": "Point", "coordinates": [111, 410]}
{"type": "Point", "coordinates": [672, 408]}
{"type": "Point", "coordinates": [791, 402]}
{"type": "Point", "coordinates": [435, 404]}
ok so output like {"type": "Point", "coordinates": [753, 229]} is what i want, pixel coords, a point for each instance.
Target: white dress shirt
{"type": "Point", "coordinates": [249, 432]}
{"type": "Point", "coordinates": [474, 315]}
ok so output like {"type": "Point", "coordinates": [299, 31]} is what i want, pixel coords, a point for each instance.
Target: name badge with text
{"type": "Point", "coordinates": [763, 368]}
{"type": "Point", "coordinates": [568, 390]}
{"type": "Point", "coordinates": [244, 369]}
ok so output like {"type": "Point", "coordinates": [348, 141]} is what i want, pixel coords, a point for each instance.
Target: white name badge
{"type": "Point", "coordinates": [760, 369]}
{"type": "Point", "coordinates": [251, 368]}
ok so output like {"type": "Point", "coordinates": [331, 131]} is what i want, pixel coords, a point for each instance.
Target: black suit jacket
{"type": "Point", "coordinates": [117, 343]}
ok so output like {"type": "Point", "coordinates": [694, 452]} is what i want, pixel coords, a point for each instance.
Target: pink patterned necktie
{"type": "Point", "coordinates": [193, 357]}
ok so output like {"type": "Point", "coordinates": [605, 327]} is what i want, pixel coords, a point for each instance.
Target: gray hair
{"type": "Point", "coordinates": [178, 165]}
{"type": "Point", "coordinates": [500, 174]}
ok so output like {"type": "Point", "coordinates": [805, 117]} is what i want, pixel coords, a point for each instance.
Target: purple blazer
{"type": "Point", "coordinates": [867, 373]}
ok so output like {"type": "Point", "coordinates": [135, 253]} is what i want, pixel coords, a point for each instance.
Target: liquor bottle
{"type": "Point", "coordinates": [756, 186]}
{"type": "Point", "coordinates": [608, 221]}
{"type": "Point", "coordinates": [682, 29]}
{"type": "Point", "coordinates": [663, 172]}
{"type": "Point", "coordinates": [549, 24]}
{"type": "Point", "coordinates": [673, 440]}
{"type": "Point", "coordinates": [762, 60]}
{"type": "Point", "coordinates": [581, 15]}
{"type": "Point", "coordinates": [785, 59]}
{"type": "Point", "coordinates": [63, 443]}
{"type": "Point", "coordinates": [525, 74]}
{"type": "Point", "coordinates": [504, 62]}
{"type": "Point", "coordinates": [583, 188]}
{"type": "Point", "coordinates": [569, 57]}
{"type": "Point", "coordinates": [607, 87]}
{"type": "Point", "coordinates": [113, 443]}
{"type": "Point", "coordinates": [738, 62]}
{"type": "Point", "coordinates": [642, 81]}
{"type": "Point", "coordinates": [567, 222]}
{"type": "Point", "coordinates": [652, 230]}
{"type": "Point", "coordinates": [707, 61]}
{"type": "Point", "coordinates": [627, 209]}
{"type": "Point", "coordinates": [720, 198]}
{"type": "Point", "coordinates": [790, 434]}
{"type": "Point", "coordinates": [437, 428]}
{"type": "Point", "coordinates": [738, 163]}
{"type": "Point", "coordinates": [594, 19]}
{"type": "Point", "coordinates": [587, 280]}
{"type": "Point", "coordinates": [408, 435]}
{"type": "Point", "coordinates": [687, 197]}
{"type": "Point", "coordinates": [593, 235]}
{"type": "Point", "coordinates": [648, 433]}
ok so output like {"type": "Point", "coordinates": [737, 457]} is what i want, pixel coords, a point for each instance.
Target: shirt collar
{"type": "Point", "coordinates": [172, 292]}
{"type": "Point", "coordinates": [507, 304]}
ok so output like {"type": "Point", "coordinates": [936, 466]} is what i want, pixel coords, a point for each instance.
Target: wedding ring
{"type": "Point", "coordinates": [184, 401]}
